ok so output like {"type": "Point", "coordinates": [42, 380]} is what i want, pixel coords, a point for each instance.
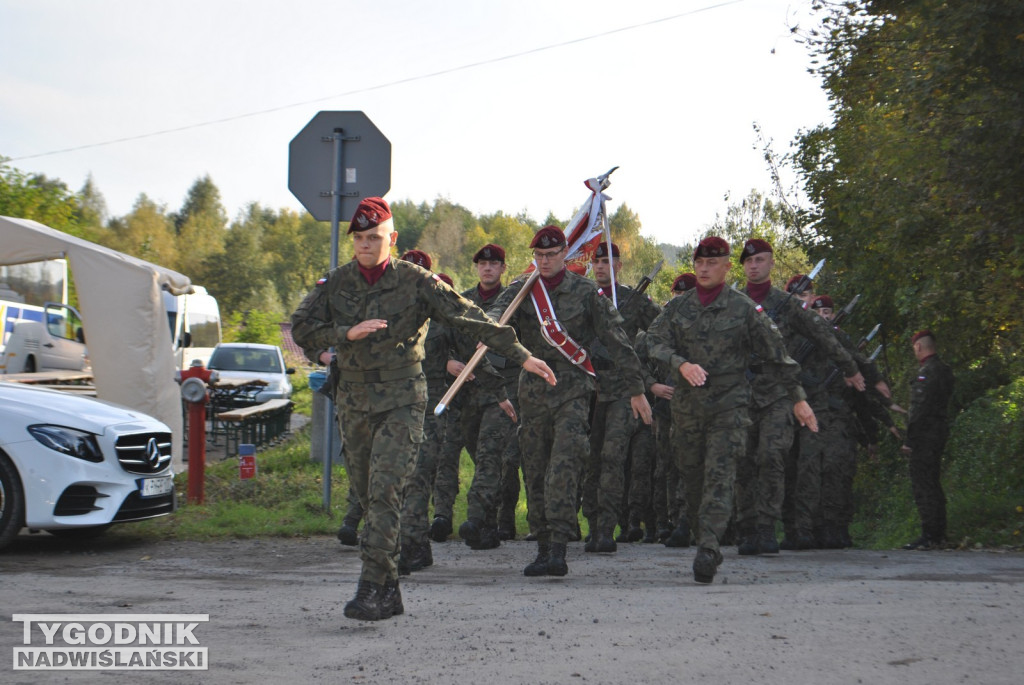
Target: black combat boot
{"type": "Point", "coordinates": [391, 600]}
{"type": "Point", "coordinates": [366, 605]}
{"type": "Point", "coordinates": [680, 536]}
{"type": "Point", "coordinates": [488, 539]}
{"type": "Point", "coordinates": [539, 566]}
{"type": "Point", "coordinates": [788, 539]}
{"type": "Point", "coordinates": [804, 539]}
{"type": "Point", "coordinates": [749, 542]}
{"type": "Point", "coordinates": [844, 535]}
{"type": "Point", "coordinates": [348, 535]}
{"type": "Point", "coordinates": [469, 531]}
{"type": "Point", "coordinates": [605, 542]}
{"type": "Point", "coordinates": [706, 564]}
{"type": "Point", "coordinates": [404, 553]}
{"type": "Point", "coordinates": [766, 542]}
{"type": "Point", "coordinates": [635, 533]}
{"type": "Point", "coordinates": [420, 556]}
{"type": "Point", "coordinates": [556, 559]}
{"type": "Point", "coordinates": [664, 534]}
{"type": "Point", "coordinates": [830, 538]}
{"type": "Point", "coordinates": [440, 529]}
{"type": "Point", "coordinates": [507, 527]}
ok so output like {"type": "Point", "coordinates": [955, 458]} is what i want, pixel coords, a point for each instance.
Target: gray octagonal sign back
{"type": "Point", "coordinates": [365, 160]}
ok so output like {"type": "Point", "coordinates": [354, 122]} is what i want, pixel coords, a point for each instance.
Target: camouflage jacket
{"type": "Point", "coordinates": [384, 370]}
{"type": "Point", "coordinates": [801, 329]}
{"type": "Point", "coordinates": [496, 377]}
{"type": "Point", "coordinates": [721, 338]}
{"type": "Point", "coordinates": [637, 312]}
{"type": "Point", "coordinates": [585, 315]}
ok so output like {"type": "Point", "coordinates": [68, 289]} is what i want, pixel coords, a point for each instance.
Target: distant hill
{"type": "Point", "coordinates": [671, 253]}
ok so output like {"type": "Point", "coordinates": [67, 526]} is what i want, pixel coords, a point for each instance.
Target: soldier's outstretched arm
{"type": "Point", "coordinates": [540, 368]}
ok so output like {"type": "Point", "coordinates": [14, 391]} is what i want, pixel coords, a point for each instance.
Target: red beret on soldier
{"type": "Point", "coordinates": [921, 334]}
{"type": "Point", "coordinates": [684, 282]}
{"type": "Point", "coordinates": [447, 279]}
{"type": "Point", "coordinates": [547, 237]}
{"type": "Point", "coordinates": [712, 246]}
{"type": "Point", "coordinates": [490, 253]}
{"type": "Point", "coordinates": [372, 211]}
{"type": "Point", "coordinates": [822, 302]}
{"type": "Point", "coordinates": [602, 251]}
{"type": "Point", "coordinates": [755, 246]}
{"type": "Point", "coordinates": [793, 281]}
{"type": "Point", "coordinates": [418, 257]}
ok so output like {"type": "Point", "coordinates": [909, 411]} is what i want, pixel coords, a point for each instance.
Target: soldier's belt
{"type": "Point", "coordinates": [381, 375]}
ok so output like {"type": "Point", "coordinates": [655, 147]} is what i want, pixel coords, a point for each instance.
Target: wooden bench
{"type": "Point", "coordinates": [258, 425]}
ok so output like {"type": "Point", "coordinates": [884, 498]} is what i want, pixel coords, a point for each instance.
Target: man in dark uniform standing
{"type": "Point", "coordinates": [708, 336]}
{"type": "Point", "coordinates": [563, 312]}
{"type": "Point", "coordinates": [374, 311]}
{"type": "Point", "coordinates": [927, 432]}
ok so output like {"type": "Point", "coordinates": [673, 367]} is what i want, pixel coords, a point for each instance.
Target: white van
{"type": "Point", "coordinates": [194, 320]}
{"type": "Point", "coordinates": [56, 342]}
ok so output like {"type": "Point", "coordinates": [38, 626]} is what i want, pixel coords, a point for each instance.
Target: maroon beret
{"type": "Point", "coordinates": [372, 211]}
{"type": "Point", "coordinates": [712, 246]}
{"type": "Point", "coordinates": [447, 279]}
{"type": "Point", "coordinates": [822, 302]}
{"type": "Point", "coordinates": [418, 257]}
{"type": "Point", "coordinates": [755, 246]}
{"type": "Point", "coordinates": [602, 250]}
{"type": "Point", "coordinates": [793, 281]}
{"type": "Point", "coordinates": [549, 236]}
{"type": "Point", "coordinates": [490, 253]}
{"type": "Point", "coordinates": [921, 334]}
{"type": "Point", "coordinates": [684, 282]}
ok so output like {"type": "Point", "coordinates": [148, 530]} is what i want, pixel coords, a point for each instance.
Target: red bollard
{"type": "Point", "coordinates": [193, 388]}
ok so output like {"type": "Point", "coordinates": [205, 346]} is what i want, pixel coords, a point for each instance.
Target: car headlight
{"type": "Point", "coordinates": [74, 443]}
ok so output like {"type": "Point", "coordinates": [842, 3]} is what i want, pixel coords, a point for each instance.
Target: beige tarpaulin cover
{"type": "Point", "coordinates": [123, 316]}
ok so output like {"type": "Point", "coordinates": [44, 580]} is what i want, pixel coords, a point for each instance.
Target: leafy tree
{"type": "Point", "coordinates": [200, 226]}
{"type": "Point", "coordinates": [916, 184]}
{"type": "Point", "coordinates": [145, 232]}
{"type": "Point", "coordinates": [36, 197]}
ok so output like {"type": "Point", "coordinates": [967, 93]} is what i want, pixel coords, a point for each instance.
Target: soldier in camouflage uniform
{"type": "Point", "coordinates": [374, 311]}
{"type": "Point", "coordinates": [615, 430]}
{"type": "Point", "coordinates": [553, 437]}
{"type": "Point", "coordinates": [760, 473]}
{"type": "Point", "coordinates": [489, 416]}
{"type": "Point", "coordinates": [446, 482]}
{"type": "Point", "coordinates": [927, 432]}
{"type": "Point", "coordinates": [708, 335]}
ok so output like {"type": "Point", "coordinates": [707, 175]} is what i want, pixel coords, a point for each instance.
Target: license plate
{"type": "Point", "coordinates": [151, 487]}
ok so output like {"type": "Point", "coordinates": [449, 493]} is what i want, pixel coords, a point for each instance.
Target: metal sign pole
{"type": "Point", "coordinates": [335, 219]}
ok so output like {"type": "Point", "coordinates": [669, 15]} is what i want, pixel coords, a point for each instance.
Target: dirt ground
{"type": "Point", "coordinates": [275, 607]}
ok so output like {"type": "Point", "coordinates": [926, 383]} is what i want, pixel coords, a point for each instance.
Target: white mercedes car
{"type": "Point", "coordinates": [74, 465]}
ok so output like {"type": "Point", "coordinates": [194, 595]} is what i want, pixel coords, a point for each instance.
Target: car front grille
{"type": "Point", "coordinates": [136, 507]}
{"type": "Point", "coordinates": [144, 453]}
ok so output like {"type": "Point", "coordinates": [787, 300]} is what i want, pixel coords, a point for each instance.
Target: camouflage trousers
{"type": "Point", "coordinates": [416, 497]}
{"type": "Point", "coordinates": [926, 484]}
{"type": "Point", "coordinates": [707, 448]}
{"type": "Point", "coordinates": [486, 431]}
{"type": "Point", "coordinates": [381, 450]}
{"type": "Point", "coordinates": [446, 482]}
{"type": "Point", "coordinates": [806, 492]}
{"type": "Point", "coordinates": [508, 494]}
{"type": "Point", "coordinates": [553, 444]}
{"type": "Point", "coordinates": [641, 467]}
{"type": "Point", "coordinates": [354, 512]}
{"type": "Point", "coordinates": [668, 492]}
{"type": "Point", "coordinates": [838, 469]}
{"type": "Point", "coordinates": [604, 479]}
{"type": "Point", "coordinates": [761, 472]}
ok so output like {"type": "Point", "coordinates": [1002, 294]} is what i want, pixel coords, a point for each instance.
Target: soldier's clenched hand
{"type": "Point", "coordinates": [694, 374]}
{"type": "Point", "coordinates": [805, 415]}
{"type": "Point", "coordinates": [641, 408]}
{"type": "Point", "coordinates": [364, 328]}
{"type": "Point", "coordinates": [539, 367]}
{"type": "Point", "coordinates": [663, 391]}
{"type": "Point", "coordinates": [510, 411]}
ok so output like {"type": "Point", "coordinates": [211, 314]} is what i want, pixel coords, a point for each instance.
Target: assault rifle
{"type": "Point", "coordinates": [867, 338]}
{"type": "Point", "coordinates": [798, 289]}
{"type": "Point", "coordinates": [644, 284]}
{"type": "Point", "coordinates": [845, 311]}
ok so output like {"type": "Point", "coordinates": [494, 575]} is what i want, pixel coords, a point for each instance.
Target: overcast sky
{"type": "Point", "coordinates": [494, 105]}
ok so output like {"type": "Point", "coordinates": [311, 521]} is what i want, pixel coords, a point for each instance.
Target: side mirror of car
{"type": "Point", "coordinates": [289, 370]}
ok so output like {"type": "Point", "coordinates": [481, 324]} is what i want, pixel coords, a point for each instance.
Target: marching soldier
{"type": "Point", "coordinates": [562, 308]}
{"type": "Point", "coordinates": [707, 336]}
{"type": "Point", "coordinates": [373, 310]}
